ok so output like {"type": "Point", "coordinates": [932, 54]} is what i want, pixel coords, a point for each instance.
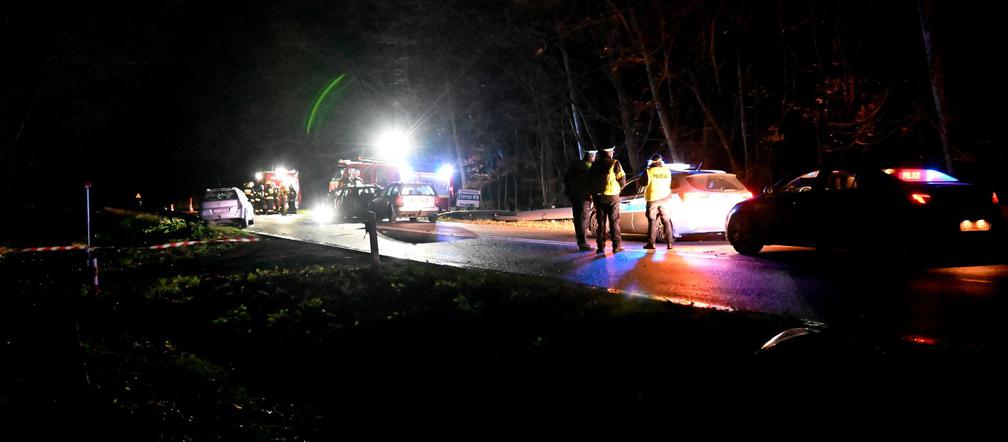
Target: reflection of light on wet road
{"type": "Point", "coordinates": [918, 339]}
{"type": "Point", "coordinates": [978, 274]}
{"type": "Point", "coordinates": [884, 293]}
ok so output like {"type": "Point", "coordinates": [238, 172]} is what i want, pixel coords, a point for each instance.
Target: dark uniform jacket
{"type": "Point", "coordinates": [576, 181]}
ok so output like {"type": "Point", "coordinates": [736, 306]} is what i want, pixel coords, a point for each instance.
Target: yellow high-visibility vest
{"type": "Point", "coordinates": [659, 184]}
{"type": "Point", "coordinates": [612, 186]}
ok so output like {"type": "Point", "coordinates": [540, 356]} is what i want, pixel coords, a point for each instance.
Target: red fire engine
{"type": "Point", "coordinates": [281, 178]}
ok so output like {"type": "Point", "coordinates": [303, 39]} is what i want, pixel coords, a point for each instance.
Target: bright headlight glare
{"type": "Point", "coordinates": [393, 143]}
{"type": "Point", "coordinates": [323, 214]}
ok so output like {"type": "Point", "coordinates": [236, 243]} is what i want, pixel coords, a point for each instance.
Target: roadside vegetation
{"type": "Point", "coordinates": [282, 340]}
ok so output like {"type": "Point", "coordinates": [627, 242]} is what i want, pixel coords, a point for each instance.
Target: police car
{"type": "Point", "coordinates": [837, 207]}
{"type": "Point", "coordinates": [699, 202]}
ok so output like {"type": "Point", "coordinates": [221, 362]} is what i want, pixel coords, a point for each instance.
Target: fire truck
{"type": "Point", "coordinates": [382, 173]}
{"type": "Point", "coordinates": [267, 182]}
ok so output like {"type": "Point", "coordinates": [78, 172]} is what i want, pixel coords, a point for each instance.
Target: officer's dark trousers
{"type": "Point", "coordinates": [607, 210]}
{"type": "Point", "coordinates": [582, 216]}
{"type": "Point", "coordinates": [654, 210]}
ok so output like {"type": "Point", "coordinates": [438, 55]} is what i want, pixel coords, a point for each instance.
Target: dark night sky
{"type": "Point", "coordinates": [168, 97]}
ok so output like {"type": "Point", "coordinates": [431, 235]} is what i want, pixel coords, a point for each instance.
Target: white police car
{"type": "Point", "coordinates": [699, 203]}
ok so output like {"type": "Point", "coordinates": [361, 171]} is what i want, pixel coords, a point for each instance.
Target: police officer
{"type": "Point", "coordinates": [579, 192]}
{"type": "Point", "coordinates": [607, 179]}
{"type": "Point", "coordinates": [657, 182]}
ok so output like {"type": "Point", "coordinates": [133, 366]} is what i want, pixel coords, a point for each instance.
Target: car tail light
{"type": "Point", "coordinates": [399, 201]}
{"type": "Point", "coordinates": [994, 199]}
{"type": "Point", "coordinates": [978, 226]}
{"type": "Point", "coordinates": [920, 198]}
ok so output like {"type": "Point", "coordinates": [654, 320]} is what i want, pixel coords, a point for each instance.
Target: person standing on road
{"type": "Point", "coordinates": [282, 200]}
{"type": "Point", "coordinates": [657, 182]}
{"type": "Point", "coordinates": [580, 194]}
{"type": "Point", "coordinates": [607, 179]}
{"type": "Point", "coordinates": [292, 199]}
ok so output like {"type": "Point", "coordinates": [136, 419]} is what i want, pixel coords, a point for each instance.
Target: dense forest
{"type": "Point", "coordinates": [172, 96]}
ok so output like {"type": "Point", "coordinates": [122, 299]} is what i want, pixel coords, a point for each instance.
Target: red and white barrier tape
{"type": "Point", "coordinates": [154, 247]}
{"type": "Point", "coordinates": [50, 249]}
{"type": "Point", "coordinates": [191, 243]}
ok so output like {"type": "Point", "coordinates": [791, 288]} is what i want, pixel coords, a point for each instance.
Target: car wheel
{"type": "Point", "coordinates": [660, 237]}
{"type": "Point", "coordinates": [412, 219]}
{"type": "Point", "coordinates": [592, 228]}
{"type": "Point", "coordinates": [741, 237]}
{"type": "Point", "coordinates": [432, 218]}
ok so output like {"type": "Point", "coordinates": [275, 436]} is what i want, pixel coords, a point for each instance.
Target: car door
{"type": "Point", "coordinates": [632, 208]}
{"type": "Point", "coordinates": [840, 208]}
{"type": "Point", "coordinates": [791, 210]}
{"type": "Point", "coordinates": [379, 202]}
{"type": "Point", "coordinates": [392, 194]}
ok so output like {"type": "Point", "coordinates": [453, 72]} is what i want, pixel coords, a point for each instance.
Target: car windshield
{"type": "Point", "coordinates": [716, 183]}
{"type": "Point", "coordinates": [802, 183]}
{"type": "Point", "coordinates": [221, 195]}
{"type": "Point", "coordinates": [417, 189]}
{"type": "Point", "coordinates": [631, 188]}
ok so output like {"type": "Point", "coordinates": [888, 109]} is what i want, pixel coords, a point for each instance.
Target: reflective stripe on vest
{"type": "Point", "coordinates": [659, 183]}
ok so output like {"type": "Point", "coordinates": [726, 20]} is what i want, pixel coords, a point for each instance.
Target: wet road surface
{"type": "Point", "coordinates": [954, 298]}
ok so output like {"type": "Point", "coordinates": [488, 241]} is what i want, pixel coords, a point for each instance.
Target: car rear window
{"type": "Point", "coordinates": [220, 195]}
{"type": "Point", "coordinates": [417, 189]}
{"type": "Point", "coordinates": [715, 183]}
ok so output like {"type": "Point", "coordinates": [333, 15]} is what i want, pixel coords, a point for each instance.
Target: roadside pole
{"type": "Point", "coordinates": [372, 230]}
{"type": "Point", "coordinates": [92, 260]}
{"type": "Point", "coordinates": [87, 217]}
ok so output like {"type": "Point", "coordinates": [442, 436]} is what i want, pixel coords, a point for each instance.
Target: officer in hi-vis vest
{"type": "Point", "coordinates": [607, 179]}
{"type": "Point", "coordinates": [579, 192]}
{"type": "Point", "coordinates": [657, 182]}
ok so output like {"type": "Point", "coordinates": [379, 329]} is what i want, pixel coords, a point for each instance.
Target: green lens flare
{"type": "Point", "coordinates": [318, 102]}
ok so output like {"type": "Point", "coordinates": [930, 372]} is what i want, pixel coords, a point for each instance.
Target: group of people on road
{"type": "Point", "coordinates": [597, 182]}
{"type": "Point", "coordinates": [347, 178]}
{"type": "Point", "coordinates": [268, 198]}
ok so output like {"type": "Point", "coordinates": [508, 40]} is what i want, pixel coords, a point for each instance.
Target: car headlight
{"type": "Point", "coordinates": [323, 214]}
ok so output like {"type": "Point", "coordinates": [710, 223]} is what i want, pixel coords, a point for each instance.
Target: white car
{"type": "Point", "coordinates": [412, 200]}
{"type": "Point", "coordinates": [699, 203]}
{"type": "Point", "coordinates": [227, 205]}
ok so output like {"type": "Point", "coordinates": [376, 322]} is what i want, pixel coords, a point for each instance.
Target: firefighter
{"type": "Point", "coordinates": [344, 179]}
{"type": "Point", "coordinates": [607, 179]}
{"type": "Point", "coordinates": [282, 200]}
{"type": "Point", "coordinates": [292, 199]}
{"type": "Point", "coordinates": [657, 182]}
{"type": "Point", "coordinates": [355, 179]}
{"type": "Point", "coordinates": [579, 192]}
{"type": "Point", "coordinates": [269, 198]}
{"type": "Point", "coordinates": [260, 194]}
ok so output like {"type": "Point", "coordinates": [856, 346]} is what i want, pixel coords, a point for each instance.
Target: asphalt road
{"type": "Point", "coordinates": [949, 297]}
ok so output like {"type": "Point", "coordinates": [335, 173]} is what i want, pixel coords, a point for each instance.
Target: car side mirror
{"type": "Point", "coordinates": [768, 188]}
